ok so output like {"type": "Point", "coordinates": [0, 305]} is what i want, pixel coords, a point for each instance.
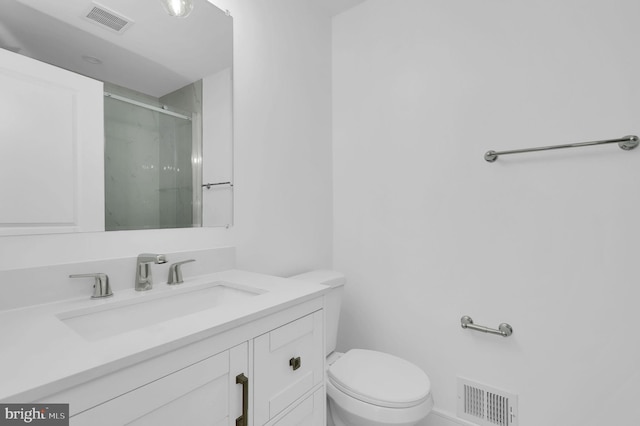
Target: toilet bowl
{"type": "Point", "coordinates": [364, 387]}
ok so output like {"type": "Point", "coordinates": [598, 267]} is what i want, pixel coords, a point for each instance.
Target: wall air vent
{"type": "Point", "coordinates": [108, 19]}
{"type": "Point", "coordinates": [486, 406]}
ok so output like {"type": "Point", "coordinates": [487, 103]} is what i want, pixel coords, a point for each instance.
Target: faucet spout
{"type": "Point", "coordinates": [144, 279]}
{"type": "Point", "coordinates": [150, 257]}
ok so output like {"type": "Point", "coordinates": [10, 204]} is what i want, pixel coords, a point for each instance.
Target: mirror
{"type": "Point", "coordinates": [167, 105]}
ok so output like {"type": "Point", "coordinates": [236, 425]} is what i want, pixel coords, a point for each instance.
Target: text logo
{"type": "Point", "coordinates": [34, 414]}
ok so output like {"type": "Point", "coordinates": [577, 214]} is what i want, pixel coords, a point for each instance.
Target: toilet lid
{"type": "Point", "coordinates": [379, 378]}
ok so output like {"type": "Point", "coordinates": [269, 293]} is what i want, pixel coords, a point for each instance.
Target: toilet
{"type": "Point", "coordinates": [364, 387]}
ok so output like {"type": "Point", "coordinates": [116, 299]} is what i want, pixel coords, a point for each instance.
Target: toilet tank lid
{"type": "Point", "coordinates": [323, 276]}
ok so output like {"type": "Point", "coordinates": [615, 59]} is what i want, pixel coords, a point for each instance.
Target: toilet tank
{"type": "Point", "coordinates": [333, 300]}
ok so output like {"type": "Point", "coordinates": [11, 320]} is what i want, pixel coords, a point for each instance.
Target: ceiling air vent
{"type": "Point", "coordinates": [486, 406]}
{"type": "Point", "coordinates": [106, 18]}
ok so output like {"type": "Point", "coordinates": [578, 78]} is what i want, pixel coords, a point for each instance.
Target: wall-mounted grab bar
{"type": "Point", "coordinates": [627, 143]}
{"type": "Point", "coordinates": [209, 185]}
{"type": "Point", "coordinates": [504, 329]}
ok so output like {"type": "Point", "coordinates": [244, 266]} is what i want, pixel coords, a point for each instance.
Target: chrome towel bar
{"type": "Point", "coordinates": [504, 329]}
{"type": "Point", "coordinates": [209, 185]}
{"type": "Point", "coordinates": [627, 143]}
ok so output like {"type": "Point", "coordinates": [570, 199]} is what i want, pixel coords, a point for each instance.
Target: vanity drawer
{"type": "Point", "coordinates": [309, 412]}
{"type": "Point", "coordinates": [288, 362]}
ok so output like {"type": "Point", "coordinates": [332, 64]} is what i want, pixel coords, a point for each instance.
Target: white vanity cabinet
{"type": "Point", "coordinates": [281, 355]}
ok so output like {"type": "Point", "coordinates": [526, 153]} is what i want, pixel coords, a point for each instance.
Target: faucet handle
{"type": "Point", "coordinates": [175, 272]}
{"type": "Point", "coordinates": [101, 287]}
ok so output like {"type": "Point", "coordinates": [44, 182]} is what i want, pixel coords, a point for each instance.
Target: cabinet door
{"type": "Point", "coordinates": [204, 393]}
{"type": "Point", "coordinates": [288, 362]}
{"type": "Point", "coordinates": [52, 138]}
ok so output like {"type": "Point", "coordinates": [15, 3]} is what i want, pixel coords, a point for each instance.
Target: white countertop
{"type": "Point", "coordinates": [40, 352]}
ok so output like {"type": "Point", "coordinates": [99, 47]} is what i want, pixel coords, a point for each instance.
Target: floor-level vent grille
{"type": "Point", "coordinates": [107, 18]}
{"type": "Point", "coordinates": [485, 405]}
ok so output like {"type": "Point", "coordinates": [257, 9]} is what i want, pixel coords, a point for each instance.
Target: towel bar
{"type": "Point", "coordinates": [627, 143]}
{"type": "Point", "coordinates": [209, 185]}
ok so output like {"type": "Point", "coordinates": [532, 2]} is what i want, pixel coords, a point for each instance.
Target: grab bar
{"type": "Point", "coordinates": [627, 143]}
{"type": "Point", "coordinates": [504, 329]}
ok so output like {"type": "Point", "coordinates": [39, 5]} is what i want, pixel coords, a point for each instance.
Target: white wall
{"type": "Point", "coordinates": [282, 155]}
{"type": "Point", "coordinates": [427, 231]}
{"type": "Point", "coordinates": [282, 147]}
{"type": "Point", "coordinates": [217, 148]}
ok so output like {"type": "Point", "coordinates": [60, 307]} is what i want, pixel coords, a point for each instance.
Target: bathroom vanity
{"type": "Point", "coordinates": [227, 348]}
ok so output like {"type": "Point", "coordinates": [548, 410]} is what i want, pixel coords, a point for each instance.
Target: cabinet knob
{"type": "Point", "coordinates": [295, 363]}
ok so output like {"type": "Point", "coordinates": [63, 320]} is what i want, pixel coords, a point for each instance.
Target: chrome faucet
{"type": "Point", "coordinates": [144, 279]}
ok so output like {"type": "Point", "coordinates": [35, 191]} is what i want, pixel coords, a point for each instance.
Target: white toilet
{"type": "Point", "coordinates": [367, 388]}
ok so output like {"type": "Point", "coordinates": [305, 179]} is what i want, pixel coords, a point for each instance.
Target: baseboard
{"type": "Point", "coordinates": [441, 418]}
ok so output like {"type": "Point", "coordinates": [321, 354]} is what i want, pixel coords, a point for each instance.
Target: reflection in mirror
{"type": "Point", "coordinates": [149, 148]}
{"type": "Point", "coordinates": [167, 104]}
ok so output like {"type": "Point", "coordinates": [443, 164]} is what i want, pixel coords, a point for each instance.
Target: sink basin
{"type": "Point", "coordinates": [146, 309]}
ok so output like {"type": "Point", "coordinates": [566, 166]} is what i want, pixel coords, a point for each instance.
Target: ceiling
{"type": "Point", "coordinates": [338, 6]}
{"type": "Point", "coordinates": [157, 45]}
{"type": "Point", "coordinates": [155, 55]}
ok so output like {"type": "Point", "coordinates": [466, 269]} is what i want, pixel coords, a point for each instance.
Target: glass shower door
{"type": "Point", "coordinates": [148, 166]}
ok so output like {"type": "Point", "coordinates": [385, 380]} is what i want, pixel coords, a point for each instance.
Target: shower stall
{"type": "Point", "coordinates": [152, 160]}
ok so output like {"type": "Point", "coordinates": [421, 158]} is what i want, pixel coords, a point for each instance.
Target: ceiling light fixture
{"type": "Point", "coordinates": [178, 8]}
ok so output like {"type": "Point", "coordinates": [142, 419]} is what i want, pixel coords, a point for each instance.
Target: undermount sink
{"type": "Point", "coordinates": [146, 309]}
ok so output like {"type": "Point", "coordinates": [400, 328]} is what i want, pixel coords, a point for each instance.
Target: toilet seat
{"type": "Point", "coordinates": [380, 379]}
